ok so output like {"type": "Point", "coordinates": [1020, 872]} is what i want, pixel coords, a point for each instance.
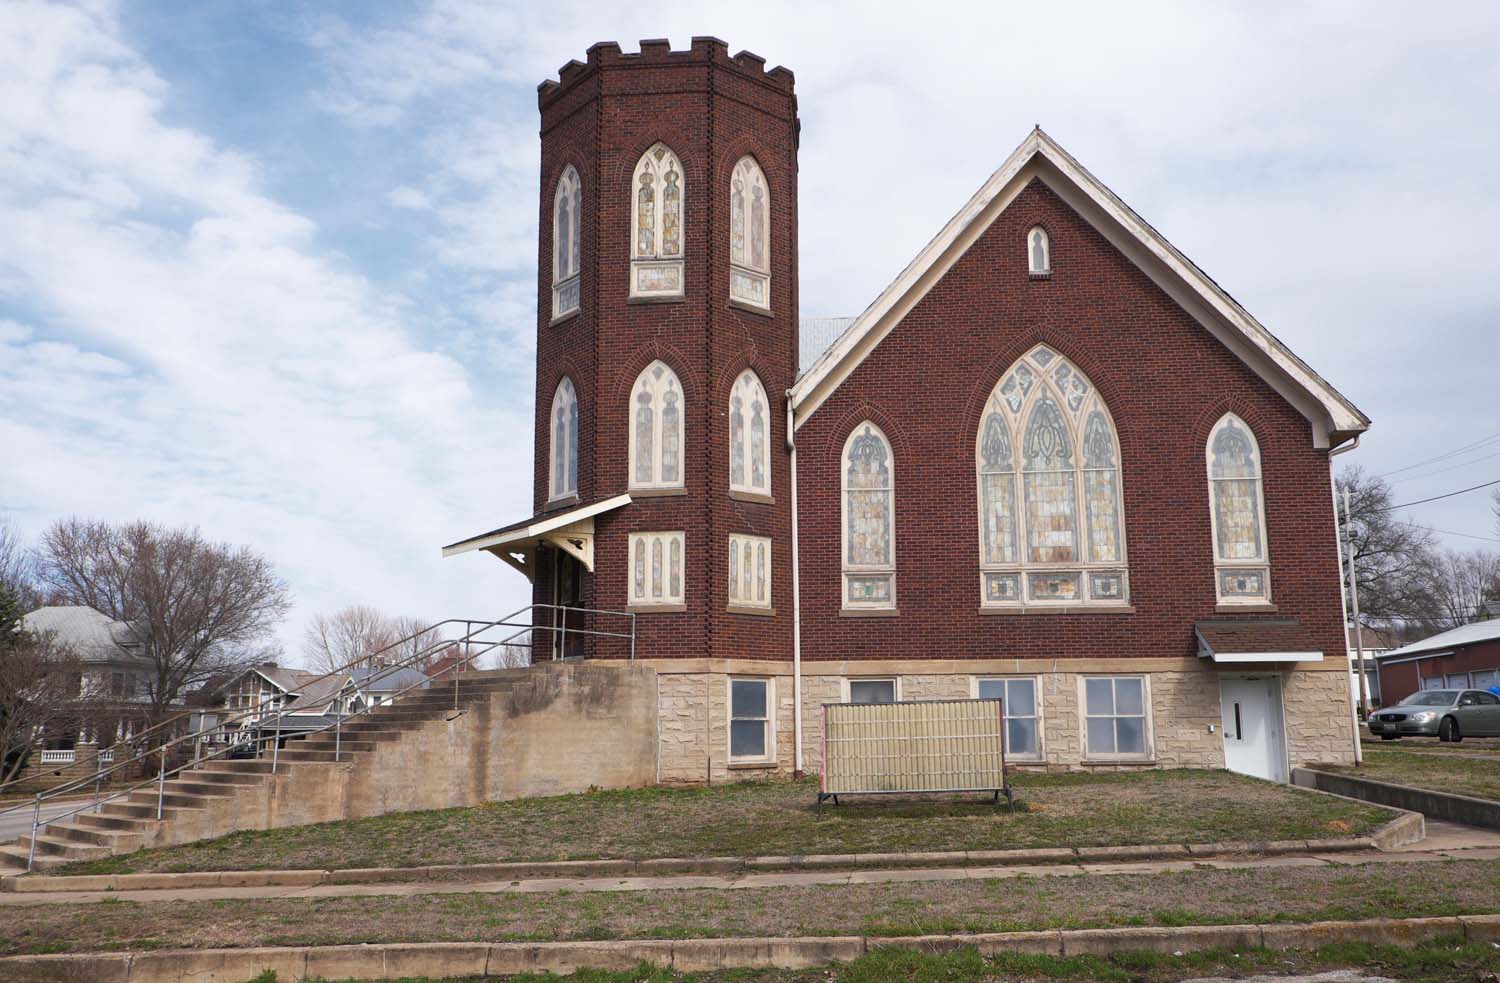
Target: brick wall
{"type": "Point", "coordinates": [710, 109]}
{"type": "Point", "coordinates": [1166, 381]}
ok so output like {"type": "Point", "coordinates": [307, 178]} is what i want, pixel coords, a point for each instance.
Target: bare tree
{"type": "Point", "coordinates": [40, 686]}
{"type": "Point", "coordinates": [194, 608]}
{"type": "Point", "coordinates": [333, 641]}
{"type": "Point", "coordinates": [1462, 583]}
{"type": "Point", "coordinates": [1393, 559]}
{"type": "Point", "coordinates": [1495, 509]}
{"type": "Point", "coordinates": [17, 571]}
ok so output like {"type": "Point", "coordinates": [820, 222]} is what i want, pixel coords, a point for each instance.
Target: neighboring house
{"type": "Point", "coordinates": [1375, 642]}
{"type": "Point", "coordinates": [270, 699]}
{"type": "Point", "coordinates": [1488, 612]}
{"type": "Point", "coordinates": [113, 687]}
{"type": "Point", "coordinates": [1053, 460]}
{"type": "Point", "coordinates": [1462, 658]}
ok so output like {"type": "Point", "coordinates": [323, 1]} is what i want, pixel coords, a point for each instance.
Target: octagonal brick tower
{"type": "Point", "coordinates": [664, 295]}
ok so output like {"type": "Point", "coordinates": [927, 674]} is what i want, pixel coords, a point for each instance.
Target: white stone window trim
{"type": "Point", "coordinates": [769, 757]}
{"type": "Point", "coordinates": [1036, 237]}
{"type": "Point", "coordinates": [567, 263]}
{"type": "Point", "coordinates": [845, 695]}
{"type": "Point", "coordinates": [650, 598]}
{"type": "Point", "coordinates": [746, 386]}
{"type": "Point", "coordinates": [1036, 704]}
{"type": "Point", "coordinates": [1147, 728]}
{"type": "Point", "coordinates": [1222, 565]}
{"type": "Point", "coordinates": [1076, 424]}
{"type": "Point", "coordinates": [657, 385]}
{"type": "Point", "coordinates": [736, 572]}
{"type": "Point", "coordinates": [852, 570]}
{"type": "Point", "coordinates": [746, 277]}
{"type": "Point", "coordinates": [655, 260]}
{"type": "Point", "coordinates": [563, 459]}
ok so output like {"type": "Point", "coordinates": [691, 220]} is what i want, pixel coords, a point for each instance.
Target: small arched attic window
{"type": "Point", "coordinates": [1038, 252]}
{"type": "Point", "coordinates": [566, 241]}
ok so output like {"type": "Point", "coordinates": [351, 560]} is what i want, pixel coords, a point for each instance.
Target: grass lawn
{"type": "Point", "coordinates": [1439, 961]}
{"type": "Point", "coordinates": [1440, 773]}
{"type": "Point", "coordinates": [778, 818]}
{"type": "Point", "coordinates": [1200, 896]}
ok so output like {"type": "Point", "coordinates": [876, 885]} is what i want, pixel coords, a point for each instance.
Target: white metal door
{"type": "Point", "coordinates": [1252, 727]}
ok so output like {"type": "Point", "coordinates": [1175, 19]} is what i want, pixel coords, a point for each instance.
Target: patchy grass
{"type": "Point", "coordinates": [1438, 772]}
{"type": "Point", "coordinates": [1199, 897]}
{"type": "Point", "coordinates": [1439, 961]}
{"type": "Point", "coordinates": [777, 818]}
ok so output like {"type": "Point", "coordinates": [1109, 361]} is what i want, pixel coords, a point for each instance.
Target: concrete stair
{"type": "Point", "coordinates": [220, 796]}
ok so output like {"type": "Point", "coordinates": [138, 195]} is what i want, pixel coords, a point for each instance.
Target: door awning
{"type": "Point", "coordinates": [570, 530]}
{"type": "Point", "coordinates": [1235, 642]}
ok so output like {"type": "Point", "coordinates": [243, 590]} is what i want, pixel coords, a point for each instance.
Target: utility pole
{"type": "Point", "coordinates": [1359, 642]}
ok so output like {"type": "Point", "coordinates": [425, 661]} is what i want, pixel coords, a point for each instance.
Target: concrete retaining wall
{"type": "Point", "coordinates": [479, 959]}
{"type": "Point", "coordinates": [1434, 805]}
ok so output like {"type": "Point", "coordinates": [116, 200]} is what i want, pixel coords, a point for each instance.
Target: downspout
{"type": "Point", "coordinates": [1338, 544]}
{"type": "Point", "coordinates": [791, 446]}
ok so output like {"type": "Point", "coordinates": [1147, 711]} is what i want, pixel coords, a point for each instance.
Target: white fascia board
{"type": "Point", "coordinates": [540, 528]}
{"type": "Point", "coordinates": [1039, 156]}
{"type": "Point", "coordinates": [1235, 657]}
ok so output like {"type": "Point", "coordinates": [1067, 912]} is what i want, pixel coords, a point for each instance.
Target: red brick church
{"type": "Point", "coordinates": [1052, 461]}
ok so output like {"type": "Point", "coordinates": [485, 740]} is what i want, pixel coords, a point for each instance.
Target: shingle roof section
{"type": "Point", "coordinates": [1479, 631]}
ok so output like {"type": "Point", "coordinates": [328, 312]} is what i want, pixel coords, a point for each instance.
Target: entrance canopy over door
{"type": "Point", "coordinates": [1258, 641]}
{"type": "Point", "coordinates": [570, 530]}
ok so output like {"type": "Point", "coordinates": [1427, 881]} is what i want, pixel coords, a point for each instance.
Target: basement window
{"type": "Point", "coordinates": [872, 691]}
{"type": "Point", "coordinates": [749, 720]}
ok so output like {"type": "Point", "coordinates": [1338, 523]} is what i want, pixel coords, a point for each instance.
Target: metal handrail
{"type": "Point", "coordinates": [338, 697]}
{"type": "Point", "coordinates": [133, 739]}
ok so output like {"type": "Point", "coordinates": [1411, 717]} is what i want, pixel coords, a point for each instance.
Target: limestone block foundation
{"type": "Point", "coordinates": [1184, 694]}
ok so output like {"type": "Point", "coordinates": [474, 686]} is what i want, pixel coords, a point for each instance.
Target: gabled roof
{"type": "Point", "coordinates": [90, 634]}
{"type": "Point", "coordinates": [535, 526]}
{"type": "Point", "coordinates": [1334, 418]}
{"type": "Point", "coordinates": [1473, 634]}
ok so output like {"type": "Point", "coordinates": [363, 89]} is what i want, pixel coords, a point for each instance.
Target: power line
{"type": "Point", "coordinates": [1450, 532]}
{"type": "Point", "coordinates": [1451, 467]}
{"type": "Point", "coordinates": [1423, 501]}
{"type": "Point", "coordinates": [1443, 456]}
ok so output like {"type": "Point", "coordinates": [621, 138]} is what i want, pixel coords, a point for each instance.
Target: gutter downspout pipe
{"type": "Point", "coordinates": [791, 446]}
{"type": "Point", "coordinates": [1338, 543]}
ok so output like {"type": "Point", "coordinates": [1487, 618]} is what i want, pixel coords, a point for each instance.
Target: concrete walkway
{"type": "Point", "coordinates": [1445, 841]}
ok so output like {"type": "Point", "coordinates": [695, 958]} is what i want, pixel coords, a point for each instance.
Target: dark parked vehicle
{"type": "Point", "coordinates": [1447, 714]}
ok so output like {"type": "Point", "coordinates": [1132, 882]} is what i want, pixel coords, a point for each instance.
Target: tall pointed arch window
{"type": "Point", "coordinates": [749, 235]}
{"type": "Point", "coordinates": [749, 436]}
{"type": "Point", "coordinates": [657, 411]}
{"type": "Point", "coordinates": [869, 519]}
{"type": "Point", "coordinates": [657, 196]}
{"type": "Point", "coordinates": [564, 471]}
{"type": "Point", "coordinates": [1051, 526]}
{"type": "Point", "coordinates": [567, 239]}
{"type": "Point", "coordinates": [1237, 510]}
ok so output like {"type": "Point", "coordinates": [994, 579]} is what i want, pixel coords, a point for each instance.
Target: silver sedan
{"type": "Point", "coordinates": [1447, 714]}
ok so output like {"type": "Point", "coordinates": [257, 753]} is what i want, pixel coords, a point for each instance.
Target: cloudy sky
{"type": "Point", "coordinates": [268, 267]}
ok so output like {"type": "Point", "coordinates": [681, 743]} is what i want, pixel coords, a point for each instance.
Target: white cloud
{"type": "Point", "coordinates": [219, 367]}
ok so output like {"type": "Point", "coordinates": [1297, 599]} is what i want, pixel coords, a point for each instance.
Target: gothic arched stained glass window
{"type": "Point", "coordinates": [1237, 511]}
{"type": "Point", "coordinates": [1051, 526]}
{"type": "Point", "coordinates": [749, 235]}
{"type": "Point", "coordinates": [869, 535]}
{"type": "Point", "coordinates": [656, 435]}
{"type": "Point", "coordinates": [656, 219]}
{"type": "Point", "coordinates": [567, 236]}
{"type": "Point", "coordinates": [564, 472]}
{"type": "Point", "coordinates": [749, 436]}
